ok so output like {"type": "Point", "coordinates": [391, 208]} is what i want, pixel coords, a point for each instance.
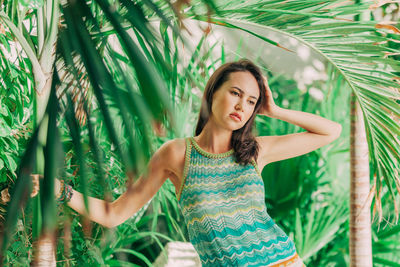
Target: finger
{"type": "Point", "coordinates": [268, 91]}
{"type": "Point", "coordinates": [266, 82]}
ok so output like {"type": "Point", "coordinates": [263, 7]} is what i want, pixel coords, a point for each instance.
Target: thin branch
{"type": "Point", "coordinates": [22, 41]}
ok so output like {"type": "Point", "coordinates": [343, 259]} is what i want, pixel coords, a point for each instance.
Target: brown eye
{"type": "Point", "coordinates": [234, 93]}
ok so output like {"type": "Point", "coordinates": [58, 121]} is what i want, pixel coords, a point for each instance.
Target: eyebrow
{"type": "Point", "coordinates": [243, 92]}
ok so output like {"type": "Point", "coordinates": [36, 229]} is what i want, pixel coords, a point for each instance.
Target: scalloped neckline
{"type": "Point", "coordinates": [209, 154]}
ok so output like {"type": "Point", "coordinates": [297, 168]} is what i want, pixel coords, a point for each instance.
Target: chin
{"type": "Point", "coordinates": [236, 127]}
{"type": "Point", "coordinates": [233, 126]}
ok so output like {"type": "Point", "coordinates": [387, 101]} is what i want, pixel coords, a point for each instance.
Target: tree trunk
{"type": "Point", "coordinates": [42, 94]}
{"type": "Point", "coordinates": [360, 216]}
{"type": "Point", "coordinates": [44, 251]}
{"type": "Point", "coordinates": [44, 248]}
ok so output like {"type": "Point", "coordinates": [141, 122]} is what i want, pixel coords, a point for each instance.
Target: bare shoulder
{"type": "Point", "coordinates": [172, 154]}
{"type": "Point", "coordinates": [174, 149]}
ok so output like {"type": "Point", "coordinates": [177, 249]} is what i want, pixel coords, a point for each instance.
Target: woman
{"type": "Point", "coordinates": [216, 173]}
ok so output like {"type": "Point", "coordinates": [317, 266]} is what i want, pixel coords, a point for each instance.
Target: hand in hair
{"type": "Point", "coordinates": [268, 107]}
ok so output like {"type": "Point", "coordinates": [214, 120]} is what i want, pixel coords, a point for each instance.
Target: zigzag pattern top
{"type": "Point", "coordinates": [224, 209]}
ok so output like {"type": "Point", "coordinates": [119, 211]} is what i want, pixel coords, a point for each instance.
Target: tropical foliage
{"type": "Point", "coordinates": [119, 72]}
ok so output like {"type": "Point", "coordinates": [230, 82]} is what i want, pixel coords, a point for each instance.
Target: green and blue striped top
{"type": "Point", "coordinates": [224, 209]}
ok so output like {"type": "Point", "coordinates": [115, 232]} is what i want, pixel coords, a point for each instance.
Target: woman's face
{"type": "Point", "coordinates": [234, 102]}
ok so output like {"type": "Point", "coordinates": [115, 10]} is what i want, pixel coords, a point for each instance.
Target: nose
{"type": "Point", "coordinates": [239, 106]}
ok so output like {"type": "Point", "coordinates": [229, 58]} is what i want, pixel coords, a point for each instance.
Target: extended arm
{"type": "Point", "coordinates": [111, 214]}
{"type": "Point", "coordinates": [167, 162]}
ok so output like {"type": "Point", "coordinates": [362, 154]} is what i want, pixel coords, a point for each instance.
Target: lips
{"type": "Point", "coordinates": [235, 116]}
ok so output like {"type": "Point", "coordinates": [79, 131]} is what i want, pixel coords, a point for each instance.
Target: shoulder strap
{"type": "Point", "coordinates": [186, 165]}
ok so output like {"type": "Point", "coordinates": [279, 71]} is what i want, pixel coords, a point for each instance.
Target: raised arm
{"type": "Point", "coordinates": [319, 132]}
{"type": "Point", "coordinates": [110, 214]}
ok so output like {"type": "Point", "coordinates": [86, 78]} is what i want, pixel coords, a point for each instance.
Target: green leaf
{"type": "Point", "coordinates": [75, 133]}
{"type": "Point", "coordinates": [97, 72]}
{"type": "Point", "coordinates": [54, 154]}
{"type": "Point", "coordinates": [3, 109]}
{"type": "Point", "coordinates": [20, 190]}
{"type": "Point", "coordinates": [32, 3]}
{"type": "Point", "coordinates": [5, 130]}
{"type": "Point", "coordinates": [152, 86]}
{"type": "Point", "coordinates": [5, 43]}
{"type": "Point", "coordinates": [135, 253]}
{"type": "Point", "coordinates": [11, 162]}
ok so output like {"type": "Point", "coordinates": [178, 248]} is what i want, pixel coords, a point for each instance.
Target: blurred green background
{"type": "Point", "coordinates": [84, 82]}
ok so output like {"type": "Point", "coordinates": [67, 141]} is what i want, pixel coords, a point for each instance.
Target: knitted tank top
{"type": "Point", "coordinates": [224, 209]}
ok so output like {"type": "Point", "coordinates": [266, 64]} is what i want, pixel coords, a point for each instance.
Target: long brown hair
{"type": "Point", "coordinates": [243, 141]}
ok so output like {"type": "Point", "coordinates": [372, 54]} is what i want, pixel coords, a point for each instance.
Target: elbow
{"type": "Point", "coordinates": [111, 217]}
{"type": "Point", "coordinates": [116, 215]}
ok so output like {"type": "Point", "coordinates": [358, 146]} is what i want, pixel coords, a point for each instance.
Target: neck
{"type": "Point", "coordinates": [214, 139]}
